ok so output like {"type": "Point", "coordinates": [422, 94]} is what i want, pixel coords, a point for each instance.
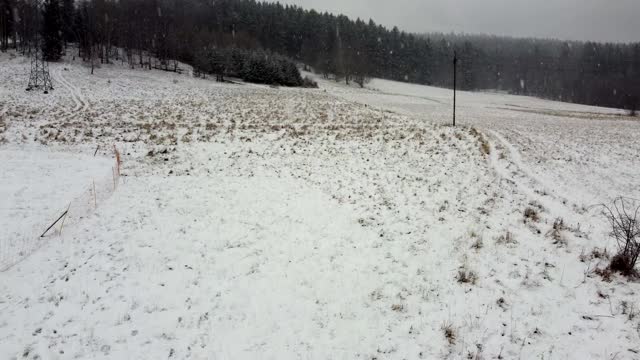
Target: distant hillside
{"type": "Point", "coordinates": [353, 50]}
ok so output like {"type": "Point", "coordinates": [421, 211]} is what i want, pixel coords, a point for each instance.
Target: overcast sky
{"type": "Point", "coordinates": [598, 20]}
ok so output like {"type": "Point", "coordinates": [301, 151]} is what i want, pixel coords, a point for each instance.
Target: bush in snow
{"type": "Point", "coordinates": [623, 215]}
{"type": "Point", "coordinates": [308, 82]}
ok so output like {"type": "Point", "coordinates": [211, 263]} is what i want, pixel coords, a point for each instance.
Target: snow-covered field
{"type": "Point", "coordinates": [339, 223]}
{"type": "Point", "coordinates": [38, 187]}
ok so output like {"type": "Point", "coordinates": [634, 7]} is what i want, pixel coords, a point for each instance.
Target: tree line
{"type": "Point", "coordinates": [256, 66]}
{"type": "Point", "coordinates": [194, 31]}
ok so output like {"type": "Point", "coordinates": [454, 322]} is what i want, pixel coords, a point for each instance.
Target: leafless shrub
{"type": "Point", "coordinates": [625, 229]}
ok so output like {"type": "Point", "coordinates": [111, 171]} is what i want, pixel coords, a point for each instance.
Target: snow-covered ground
{"type": "Point", "coordinates": [37, 187]}
{"type": "Point", "coordinates": [339, 223]}
{"type": "Point", "coordinates": [584, 153]}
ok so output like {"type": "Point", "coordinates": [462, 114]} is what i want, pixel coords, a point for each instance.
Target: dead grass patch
{"type": "Point", "coordinates": [449, 333]}
{"type": "Point", "coordinates": [531, 214]}
{"type": "Point", "coordinates": [506, 239]}
{"type": "Point", "coordinates": [556, 232]}
{"type": "Point", "coordinates": [467, 276]}
{"type": "Point", "coordinates": [485, 147]}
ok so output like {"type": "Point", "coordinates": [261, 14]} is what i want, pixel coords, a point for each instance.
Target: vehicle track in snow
{"type": "Point", "coordinates": [512, 168]}
{"type": "Point", "coordinates": [516, 159]}
{"type": "Point", "coordinates": [81, 104]}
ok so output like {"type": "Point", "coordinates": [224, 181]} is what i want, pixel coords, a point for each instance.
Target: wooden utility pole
{"type": "Point", "coordinates": [455, 64]}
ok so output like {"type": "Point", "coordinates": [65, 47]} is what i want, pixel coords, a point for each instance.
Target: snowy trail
{"type": "Point", "coordinates": [536, 182]}
{"type": "Point", "coordinates": [81, 103]}
{"type": "Point", "coordinates": [74, 97]}
{"type": "Point", "coordinates": [514, 171]}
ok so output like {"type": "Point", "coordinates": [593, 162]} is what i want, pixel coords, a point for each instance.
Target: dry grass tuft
{"type": "Point", "coordinates": [629, 310]}
{"type": "Point", "coordinates": [605, 273]}
{"type": "Point", "coordinates": [466, 276]}
{"type": "Point", "coordinates": [478, 244]}
{"type": "Point", "coordinates": [505, 239]}
{"type": "Point", "coordinates": [596, 253]}
{"type": "Point", "coordinates": [531, 214]}
{"type": "Point", "coordinates": [449, 333]}
{"type": "Point", "coordinates": [556, 232]}
{"type": "Point", "coordinates": [485, 147]}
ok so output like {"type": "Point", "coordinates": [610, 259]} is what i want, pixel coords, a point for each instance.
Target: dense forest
{"type": "Point", "coordinates": [207, 34]}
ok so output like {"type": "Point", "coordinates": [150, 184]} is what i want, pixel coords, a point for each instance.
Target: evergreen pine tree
{"type": "Point", "coordinates": [52, 31]}
{"type": "Point", "coordinates": [7, 25]}
{"type": "Point", "coordinates": [68, 11]}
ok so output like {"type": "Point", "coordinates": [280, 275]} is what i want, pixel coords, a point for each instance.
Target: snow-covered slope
{"type": "Point", "coordinates": [584, 153]}
{"type": "Point", "coordinates": [253, 222]}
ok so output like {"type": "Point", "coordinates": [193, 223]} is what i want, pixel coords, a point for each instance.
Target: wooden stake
{"type": "Point", "coordinates": [118, 160]}
{"type": "Point", "coordinates": [55, 222]}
